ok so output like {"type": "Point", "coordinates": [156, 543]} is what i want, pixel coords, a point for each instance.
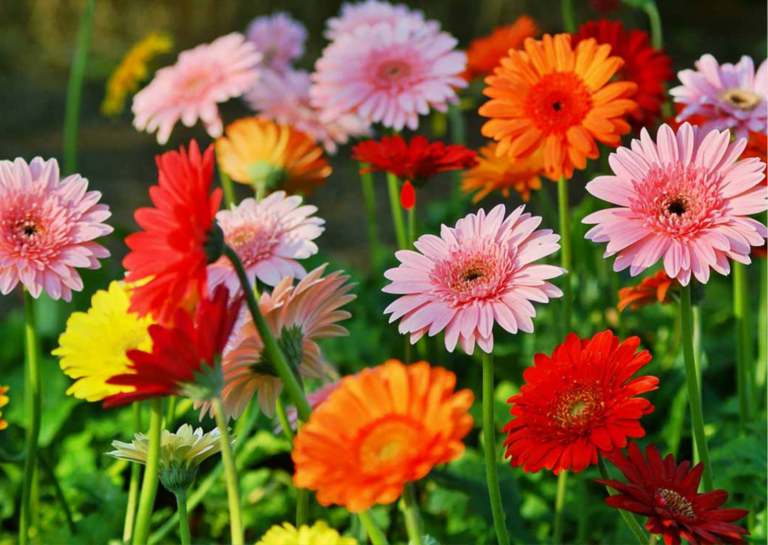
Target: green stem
{"type": "Point", "coordinates": [413, 522]}
{"type": "Point", "coordinates": [170, 413]}
{"type": "Point", "coordinates": [302, 507]}
{"type": "Point", "coordinates": [287, 431]}
{"type": "Point", "coordinates": [369, 196]}
{"type": "Point", "coordinates": [696, 309]}
{"type": "Point", "coordinates": [616, 286]}
{"type": "Point", "coordinates": [181, 502]}
{"type": "Point", "coordinates": [33, 400]}
{"type": "Point", "coordinates": [562, 487]}
{"type": "Point", "coordinates": [151, 474]}
{"type": "Point", "coordinates": [569, 22]}
{"type": "Point", "coordinates": [761, 368]}
{"type": "Point", "coordinates": [637, 531]}
{"type": "Point", "coordinates": [230, 474]}
{"type": "Point", "coordinates": [694, 398]}
{"type": "Point", "coordinates": [373, 530]}
{"type": "Point", "coordinates": [133, 487]}
{"type": "Point", "coordinates": [229, 190]}
{"type": "Point", "coordinates": [75, 87]}
{"type": "Point", "coordinates": [397, 211]}
{"type": "Point", "coordinates": [458, 136]}
{"type": "Point", "coordinates": [565, 253]}
{"type": "Point", "coordinates": [740, 312]}
{"type": "Point", "coordinates": [657, 39]}
{"type": "Point", "coordinates": [489, 445]}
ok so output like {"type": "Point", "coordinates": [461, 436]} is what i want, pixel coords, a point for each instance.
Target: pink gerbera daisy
{"type": "Point", "coordinates": [389, 74]}
{"type": "Point", "coordinates": [47, 228]}
{"type": "Point", "coordinates": [471, 276]}
{"type": "Point", "coordinates": [279, 38]}
{"type": "Point", "coordinates": [369, 13]}
{"type": "Point", "coordinates": [268, 236]}
{"type": "Point", "coordinates": [728, 96]}
{"type": "Point", "coordinates": [191, 89]}
{"type": "Point", "coordinates": [684, 199]}
{"type": "Point", "coordinates": [284, 97]}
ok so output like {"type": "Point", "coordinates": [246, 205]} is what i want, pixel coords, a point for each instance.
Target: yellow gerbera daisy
{"type": "Point", "coordinates": [3, 403]}
{"type": "Point", "coordinates": [502, 172]}
{"type": "Point", "coordinates": [93, 347]}
{"type": "Point", "coordinates": [287, 534]}
{"type": "Point", "coordinates": [133, 70]}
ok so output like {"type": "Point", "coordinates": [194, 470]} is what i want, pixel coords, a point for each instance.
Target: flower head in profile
{"type": "Point", "coordinates": [133, 69]}
{"type": "Point", "coordinates": [727, 96]}
{"type": "Point", "coordinates": [557, 99]}
{"type": "Point", "coordinates": [388, 74]}
{"type": "Point", "coordinates": [683, 199]}
{"type": "Point", "coordinates": [117, 329]}
{"type": "Point", "coordinates": [382, 428]}
{"type": "Point", "coordinates": [580, 402]}
{"type": "Point", "coordinates": [48, 228]}
{"type": "Point", "coordinates": [479, 273]}
{"type": "Point", "coordinates": [656, 288]}
{"type": "Point", "coordinates": [170, 253]}
{"type": "Point", "coordinates": [191, 89]}
{"type": "Point", "coordinates": [649, 68]}
{"type": "Point", "coordinates": [667, 493]}
{"type": "Point", "coordinates": [319, 532]}
{"type": "Point", "coordinates": [501, 173]}
{"type": "Point", "coordinates": [279, 38]}
{"type": "Point", "coordinates": [370, 13]}
{"type": "Point", "coordinates": [485, 54]}
{"type": "Point", "coordinates": [270, 156]}
{"type": "Point", "coordinates": [3, 402]}
{"type": "Point", "coordinates": [269, 236]}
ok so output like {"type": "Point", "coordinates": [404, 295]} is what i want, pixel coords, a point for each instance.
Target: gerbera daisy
{"type": "Point", "coordinates": [170, 252]}
{"type": "Point", "coordinates": [184, 360]}
{"type": "Point", "coordinates": [728, 96]}
{"type": "Point", "coordinates": [480, 272]}
{"type": "Point", "coordinates": [284, 97]}
{"type": "Point", "coordinates": [553, 98]}
{"type": "Point", "coordinates": [667, 493]}
{"type": "Point", "coordinates": [279, 38]}
{"type": "Point", "coordinates": [484, 54]}
{"type": "Point", "coordinates": [655, 288]}
{"type": "Point", "coordinates": [388, 74]}
{"type": "Point", "coordinates": [649, 68]}
{"type": "Point", "coordinates": [496, 172]}
{"type": "Point", "coordinates": [370, 13]}
{"type": "Point", "coordinates": [270, 156]}
{"type": "Point", "coordinates": [381, 429]}
{"type": "Point", "coordinates": [578, 403]}
{"type": "Point", "coordinates": [91, 363]}
{"type": "Point", "coordinates": [3, 402]}
{"type": "Point", "coordinates": [757, 146]}
{"type": "Point", "coordinates": [269, 236]}
{"type": "Point", "coordinates": [192, 88]}
{"type": "Point", "coordinates": [683, 199]}
{"type": "Point", "coordinates": [320, 533]}
{"type": "Point", "coordinates": [47, 228]}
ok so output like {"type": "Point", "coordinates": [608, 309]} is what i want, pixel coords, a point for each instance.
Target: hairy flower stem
{"type": "Point", "coordinates": [369, 196]}
{"type": "Point", "coordinates": [634, 527]}
{"type": "Point", "coordinates": [32, 400]}
{"type": "Point", "coordinates": [230, 475]}
{"type": "Point", "coordinates": [397, 211]}
{"type": "Point", "coordinates": [181, 502]}
{"type": "Point", "coordinates": [151, 474]}
{"type": "Point", "coordinates": [133, 487]}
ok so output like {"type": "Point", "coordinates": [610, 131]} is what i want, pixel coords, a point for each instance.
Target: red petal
{"type": "Point", "coordinates": [408, 196]}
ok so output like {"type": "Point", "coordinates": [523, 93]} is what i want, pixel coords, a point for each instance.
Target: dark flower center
{"type": "Point", "coordinates": [741, 99]}
{"type": "Point", "coordinates": [557, 106]}
{"type": "Point", "coordinates": [30, 230]}
{"type": "Point", "coordinates": [677, 206]}
{"type": "Point", "coordinates": [558, 102]}
{"type": "Point", "coordinates": [473, 273]}
{"type": "Point", "coordinates": [675, 503]}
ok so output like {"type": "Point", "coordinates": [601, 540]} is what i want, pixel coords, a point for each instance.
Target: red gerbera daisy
{"type": "Point", "coordinates": [170, 252]}
{"type": "Point", "coordinates": [649, 68]}
{"type": "Point", "coordinates": [577, 403]}
{"type": "Point", "coordinates": [185, 358]}
{"type": "Point", "coordinates": [667, 493]}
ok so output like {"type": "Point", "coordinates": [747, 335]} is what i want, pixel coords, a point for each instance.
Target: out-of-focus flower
{"type": "Point", "coordinates": [485, 54]}
{"type": "Point", "coordinates": [604, 7]}
{"type": "Point", "coordinates": [757, 146]}
{"type": "Point", "coordinates": [3, 402]}
{"type": "Point", "coordinates": [388, 74]}
{"type": "Point", "coordinates": [649, 68]}
{"type": "Point", "coordinates": [270, 156]}
{"type": "Point", "coordinates": [315, 399]}
{"type": "Point", "coordinates": [269, 236]}
{"type": "Point", "coordinates": [170, 253]}
{"type": "Point", "coordinates": [284, 97]}
{"type": "Point", "coordinates": [496, 172]}
{"type": "Point", "coordinates": [191, 89]}
{"type": "Point", "coordinates": [727, 96]}
{"type": "Point", "coordinates": [479, 273]}
{"type": "Point", "coordinates": [319, 533]}
{"type": "Point", "coordinates": [93, 347]}
{"type": "Point", "coordinates": [279, 38]}
{"type": "Point", "coordinates": [47, 228]}
{"type": "Point", "coordinates": [133, 69]}
{"type": "Point", "coordinates": [682, 199]}
{"type": "Point", "coordinates": [370, 13]}
{"type": "Point", "coordinates": [553, 98]}
{"type": "Point", "coordinates": [578, 403]}
{"type": "Point", "coordinates": [381, 429]}
{"type": "Point", "coordinates": [667, 493]}
{"type": "Point", "coordinates": [655, 288]}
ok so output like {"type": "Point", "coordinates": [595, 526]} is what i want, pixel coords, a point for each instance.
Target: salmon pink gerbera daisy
{"type": "Point", "coordinates": [48, 227]}
{"type": "Point", "coordinates": [684, 199]}
{"type": "Point", "coordinates": [578, 403]}
{"type": "Point", "coordinates": [479, 273]}
{"type": "Point", "coordinates": [369, 13]}
{"type": "Point", "coordinates": [279, 38]}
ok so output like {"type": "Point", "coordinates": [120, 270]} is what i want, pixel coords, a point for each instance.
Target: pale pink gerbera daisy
{"type": "Point", "coordinates": [388, 74]}
{"type": "Point", "coordinates": [279, 38]}
{"type": "Point", "coordinates": [284, 97]}
{"type": "Point", "coordinates": [192, 88]}
{"type": "Point", "coordinates": [728, 96]}
{"type": "Point", "coordinates": [474, 275]}
{"type": "Point", "coordinates": [370, 13]}
{"type": "Point", "coordinates": [684, 199]}
{"type": "Point", "coordinates": [47, 228]}
{"type": "Point", "coordinates": [268, 236]}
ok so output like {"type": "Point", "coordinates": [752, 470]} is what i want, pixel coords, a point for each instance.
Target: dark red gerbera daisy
{"type": "Point", "coordinates": [577, 403]}
{"type": "Point", "coordinates": [170, 251]}
{"type": "Point", "coordinates": [667, 493]}
{"type": "Point", "coordinates": [185, 358]}
{"type": "Point", "coordinates": [649, 68]}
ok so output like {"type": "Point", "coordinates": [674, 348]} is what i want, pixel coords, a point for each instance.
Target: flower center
{"type": "Point", "coordinates": [385, 443]}
{"type": "Point", "coordinates": [391, 72]}
{"type": "Point", "coordinates": [741, 99]}
{"type": "Point", "coordinates": [578, 406]}
{"type": "Point", "coordinates": [676, 206]}
{"type": "Point", "coordinates": [675, 503]}
{"type": "Point", "coordinates": [473, 272]}
{"type": "Point", "coordinates": [254, 242]}
{"type": "Point", "coordinates": [558, 102]}
{"type": "Point", "coordinates": [25, 231]}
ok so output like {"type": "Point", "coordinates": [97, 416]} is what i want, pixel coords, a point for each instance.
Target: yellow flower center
{"type": "Point", "coordinates": [386, 442]}
{"type": "Point", "coordinates": [741, 99]}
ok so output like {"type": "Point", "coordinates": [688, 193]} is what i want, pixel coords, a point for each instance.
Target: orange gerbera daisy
{"type": "Point", "coordinates": [558, 99]}
{"type": "Point", "coordinates": [380, 429]}
{"type": "Point", "coordinates": [484, 54]}
{"type": "Point", "coordinates": [500, 173]}
{"type": "Point", "coordinates": [651, 289]}
{"type": "Point", "coordinates": [270, 156]}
